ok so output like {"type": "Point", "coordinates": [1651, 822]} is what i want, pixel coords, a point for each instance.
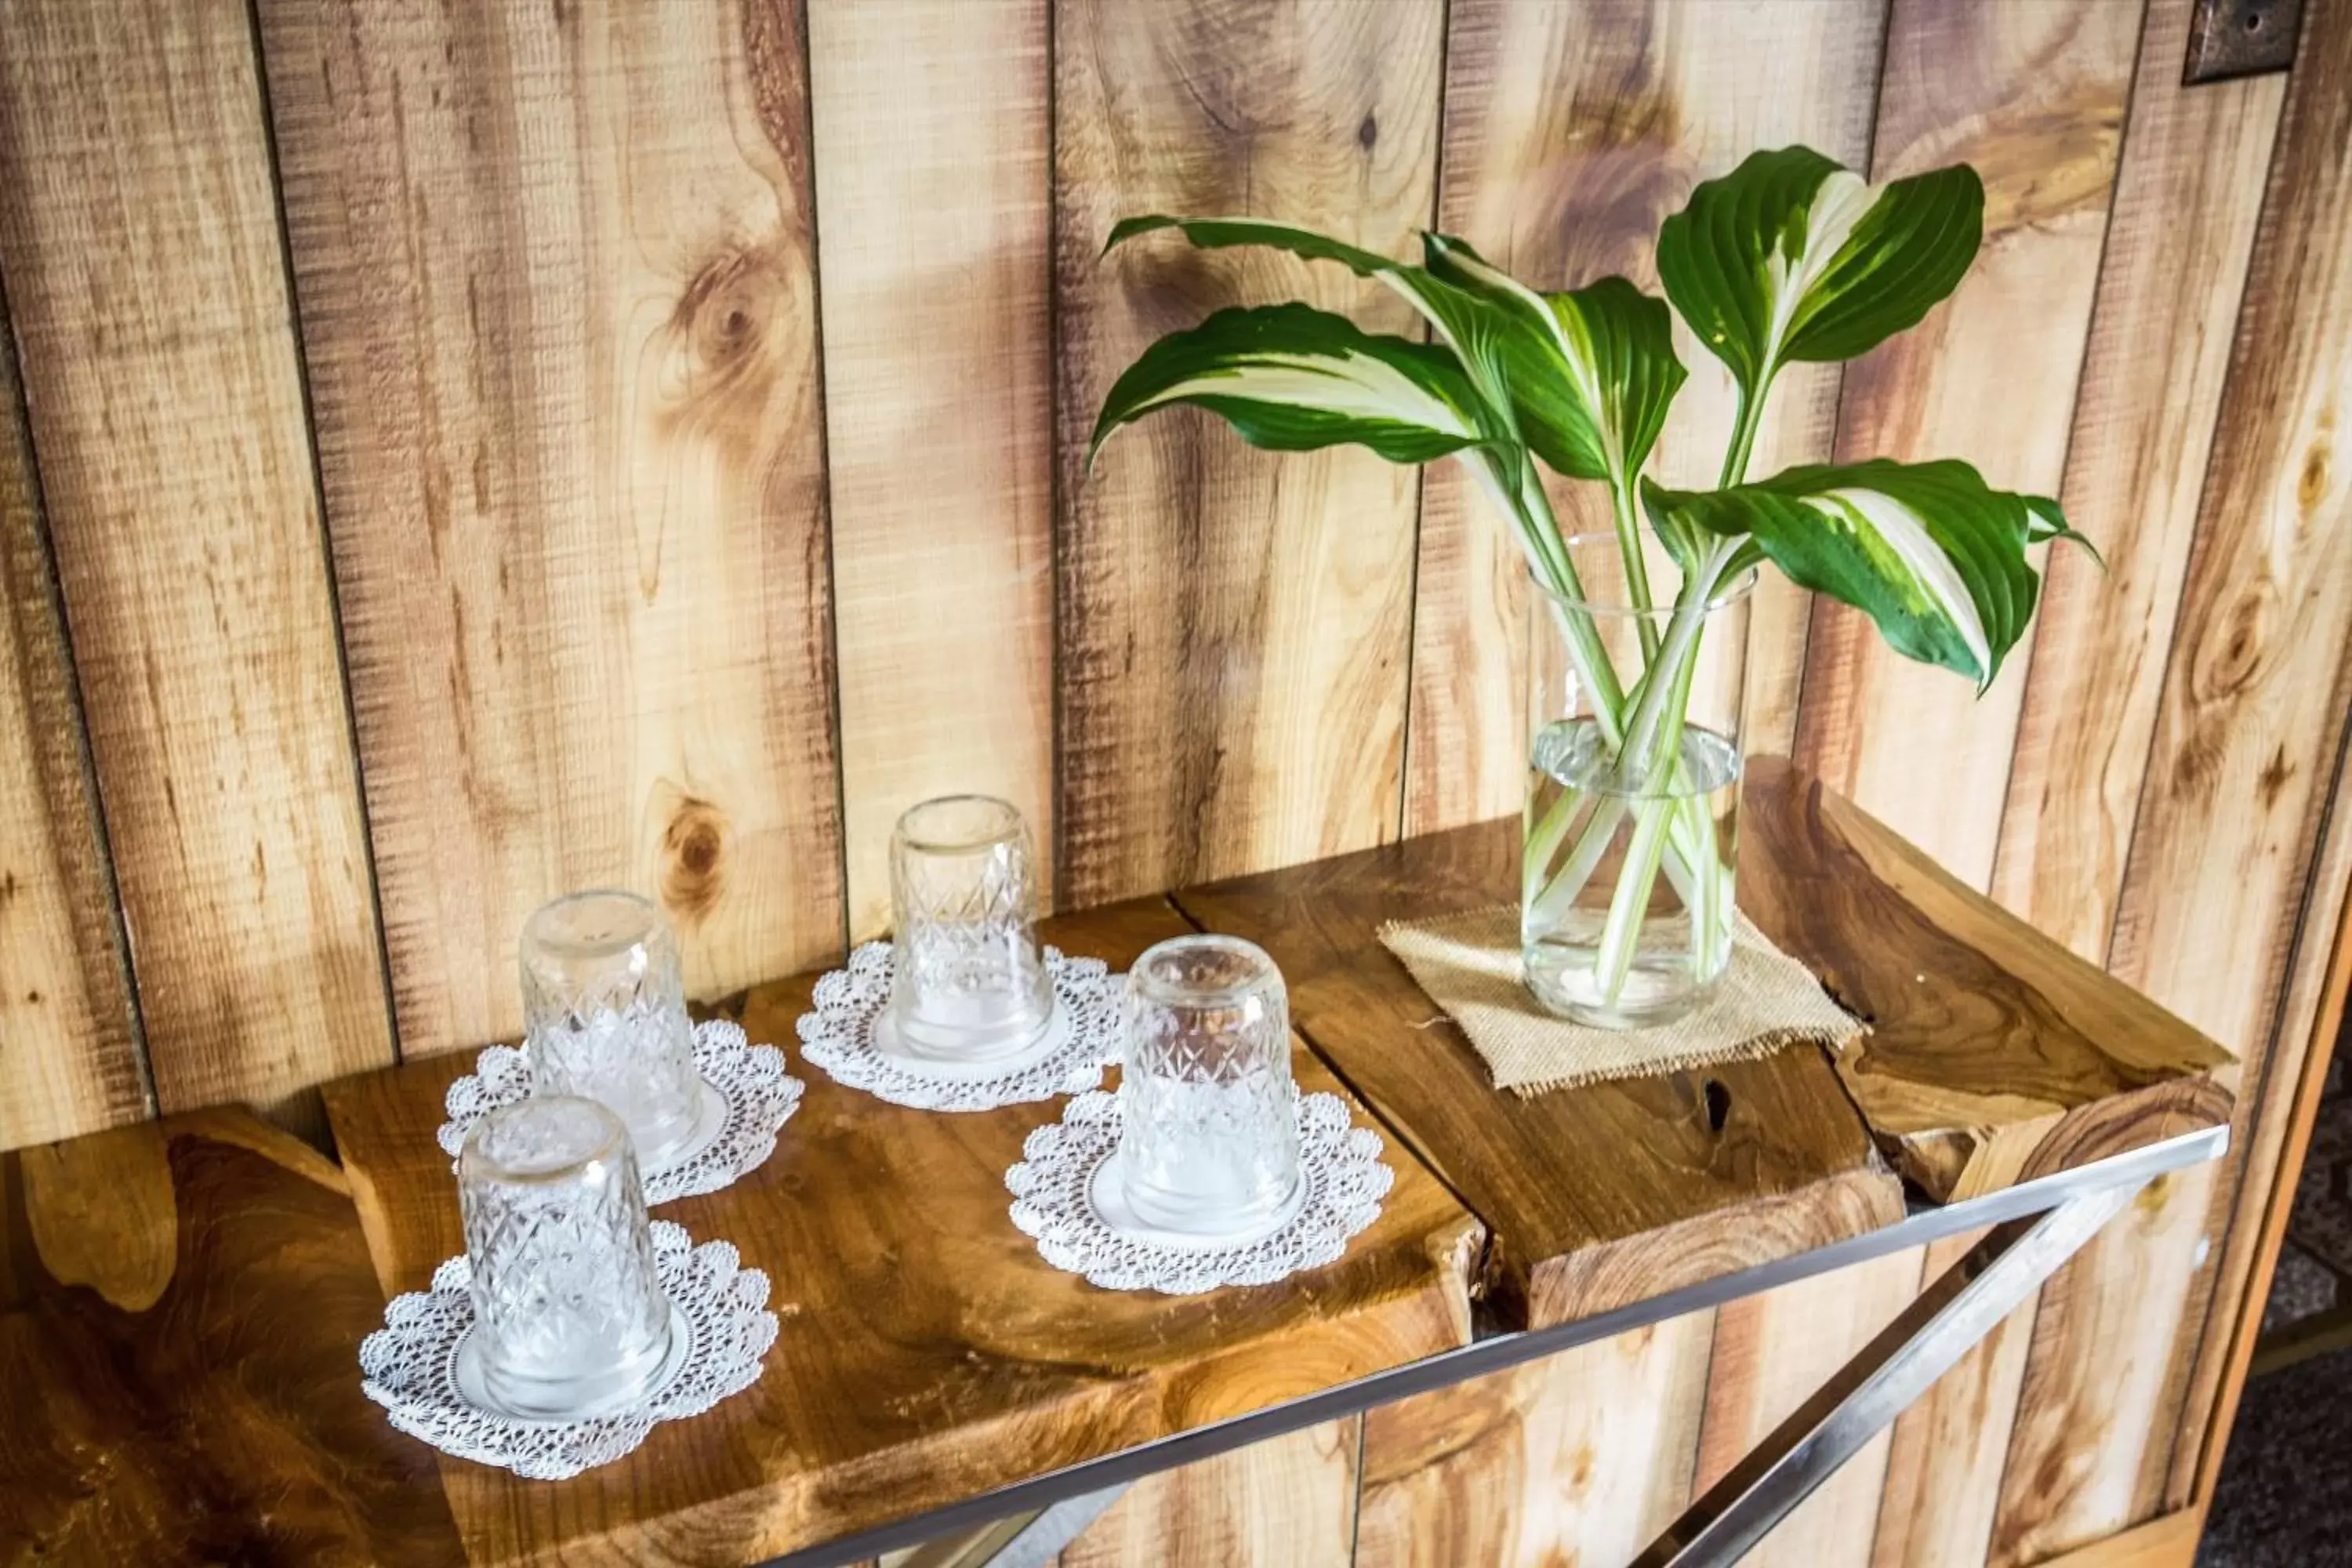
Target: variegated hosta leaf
{"type": "Point", "coordinates": [1293, 378]}
{"type": "Point", "coordinates": [1791, 257]}
{"type": "Point", "coordinates": [1474, 329]}
{"type": "Point", "coordinates": [1593, 372]}
{"type": "Point", "coordinates": [2045, 522]}
{"type": "Point", "coordinates": [1928, 550]}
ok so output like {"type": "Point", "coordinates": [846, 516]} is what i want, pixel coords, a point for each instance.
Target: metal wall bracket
{"type": "Point", "coordinates": [2230, 38]}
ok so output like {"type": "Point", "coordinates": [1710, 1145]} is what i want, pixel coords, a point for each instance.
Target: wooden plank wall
{"type": "Point", "coordinates": [448, 456]}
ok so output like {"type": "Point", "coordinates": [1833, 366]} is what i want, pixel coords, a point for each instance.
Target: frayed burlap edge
{"type": "Point", "coordinates": [1468, 964]}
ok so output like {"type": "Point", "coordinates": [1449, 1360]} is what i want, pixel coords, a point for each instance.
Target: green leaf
{"type": "Point", "coordinates": [1791, 257]}
{"type": "Point", "coordinates": [1473, 328]}
{"type": "Point", "coordinates": [1292, 378]}
{"type": "Point", "coordinates": [1928, 550]}
{"type": "Point", "coordinates": [1591, 372]}
{"type": "Point", "coordinates": [2045, 522]}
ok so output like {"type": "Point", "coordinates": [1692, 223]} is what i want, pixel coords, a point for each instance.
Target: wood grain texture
{"type": "Point", "coordinates": [70, 1056]}
{"type": "Point", "coordinates": [2248, 733]}
{"type": "Point", "coordinates": [2092, 1414]}
{"type": "Point", "coordinates": [2293, 1081]}
{"type": "Point", "coordinates": [2170, 1541]}
{"type": "Point", "coordinates": [1581, 1457]}
{"type": "Point", "coordinates": [179, 1304]}
{"type": "Point", "coordinates": [933, 178]}
{"type": "Point", "coordinates": [927, 1352]}
{"type": "Point", "coordinates": [1773, 1352]}
{"type": "Point", "coordinates": [1571, 131]}
{"type": "Point", "coordinates": [1287, 1502]}
{"type": "Point", "coordinates": [2179, 231]}
{"type": "Point", "coordinates": [556, 277]}
{"type": "Point", "coordinates": [2032, 93]}
{"type": "Point", "coordinates": [1233, 624]}
{"type": "Point", "coordinates": [1947, 1451]}
{"type": "Point", "coordinates": [1994, 1055]}
{"type": "Point", "coordinates": [138, 238]}
{"type": "Point", "coordinates": [1597, 1196]}
{"type": "Point", "coordinates": [2178, 236]}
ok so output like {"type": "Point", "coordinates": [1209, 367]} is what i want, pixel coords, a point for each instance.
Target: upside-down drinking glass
{"type": "Point", "coordinates": [1209, 1135]}
{"type": "Point", "coordinates": [569, 1315]}
{"type": "Point", "coordinates": [604, 1015]}
{"type": "Point", "coordinates": [968, 980]}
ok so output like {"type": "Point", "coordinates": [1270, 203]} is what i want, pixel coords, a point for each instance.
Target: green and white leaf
{"type": "Point", "coordinates": [1292, 378]}
{"type": "Point", "coordinates": [1791, 256]}
{"type": "Point", "coordinates": [2044, 523]}
{"type": "Point", "coordinates": [1591, 372]}
{"type": "Point", "coordinates": [1928, 550]}
{"type": "Point", "coordinates": [1474, 329]}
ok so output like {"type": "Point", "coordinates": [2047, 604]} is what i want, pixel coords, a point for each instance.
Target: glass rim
{"type": "Point", "coordinates": [1731, 592]}
{"type": "Point", "coordinates": [1008, 823]}
{"type": "Point", "coordinates": [651, 923]}
{"type": "Point", "coordinates": [1263, 973]}
{"type": "Point", "coordinates": [477, 1160]}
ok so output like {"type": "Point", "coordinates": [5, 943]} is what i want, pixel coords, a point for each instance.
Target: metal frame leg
{"type": "Point", "coordinates": [2043, 1222]}
{"type": "Point", "coordinates": [1036, 1544]}
{"type": "Point", "coordinates": [1951, 1318]}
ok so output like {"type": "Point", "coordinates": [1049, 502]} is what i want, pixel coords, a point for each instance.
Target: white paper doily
{"type": "Point", "coordinates": [747, 1098]}
{"type": "Point", "coordinates": [1343, 1182]}
{"type": "Point", "coordinates": [1083, 1037]}
{"type": "Point", "coordinates": [410, 1366]}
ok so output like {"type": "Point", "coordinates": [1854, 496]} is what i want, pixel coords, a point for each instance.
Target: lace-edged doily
{"type": "Point", "coordinates": [1053, 1187]}
{"type": "Point", "coordinates": [410, 1366]}
{"type": "Point", "coordinates": [756, 1098]}
{"type": "Point", "coordinates": [839, 1038]}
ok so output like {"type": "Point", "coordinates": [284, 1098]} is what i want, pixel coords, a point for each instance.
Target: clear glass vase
{"type": "Point", "coordinates": [1629, 887]}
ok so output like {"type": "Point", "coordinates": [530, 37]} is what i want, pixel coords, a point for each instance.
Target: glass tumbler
{"type": "Point", "coordinates": [569, 1316]}
{"type": "Point", "coordinates": [968, 980]}
{"type": "Point", "coordinates": [604, 1015]}
{"type": "Point", "coordinates": [1209, 1135]}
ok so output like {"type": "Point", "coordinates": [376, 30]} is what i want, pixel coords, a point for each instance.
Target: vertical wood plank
{"type": "Point", "coordinates": [555, 269]}
{"type": "Point", "coordinates": [2178, 238]}
{"type": "Point", "coordinates": [1773, 1352]}
{"type": "Point", "coordinates": [1233, 624]}
{"type": "Point", "coordinates": [70, 1060]}
{"type": "Point", "coordinates": [2187, 197]}
{"type": "Point", "coordinates": [1287, 1502]}
{"type": "Point", "coordinates": [1948, 1451]}
{"type": "Point", "coordinates": [2092, 1413]}
{"type": "Point", "coordinates": [2293, 1081]}
{"type": "Point", "coordinates": [2248, 730]}
{"type": "Point", "coordinates": [1571, 131]}
{"type": "Point", "coordinates": [1584, 1456]}
{"type": "Point", "coordinates": [932, 161]}
{"type": "Point", "coordinates": [139, 239]}
{"type": "Point", "coordinates": [2032, 93]}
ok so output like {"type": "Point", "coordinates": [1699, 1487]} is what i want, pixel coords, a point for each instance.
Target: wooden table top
{"type": "Point", "coordinates": [181, 1307]}
{"type": "Point", "coordinates": [1993, 1055]}
{"type": "Point", "coordinates": [188, 1295]}
{"type": "Point", "coordinates": [926, 1351]}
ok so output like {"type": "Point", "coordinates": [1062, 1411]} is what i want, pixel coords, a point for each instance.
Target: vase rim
{"type": "Point", "coordinates": [1728, 593]}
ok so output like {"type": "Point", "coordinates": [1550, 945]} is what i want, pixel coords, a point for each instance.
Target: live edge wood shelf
{"type": "Point", "coordinates": [180, 1303]}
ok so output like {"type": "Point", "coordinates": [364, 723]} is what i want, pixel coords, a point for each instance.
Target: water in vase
{"type": "Point", "coordinates": [1627, 902]}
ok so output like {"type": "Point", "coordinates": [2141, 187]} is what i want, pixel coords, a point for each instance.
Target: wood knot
{"type": "Point", "coordinates": [2311, 481]}
{"type": "Point", "coordinates": [692, 849]}
{"type": "Point", "coordinates": [728, 333]}
{"type": "Point", "coordinates": [2234, 656]}
{"type": "Point", "coordinates": [1719, 1104]}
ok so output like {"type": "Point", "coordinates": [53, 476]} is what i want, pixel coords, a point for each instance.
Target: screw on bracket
{"type": "Point", "coordinates": [2230, 38]}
